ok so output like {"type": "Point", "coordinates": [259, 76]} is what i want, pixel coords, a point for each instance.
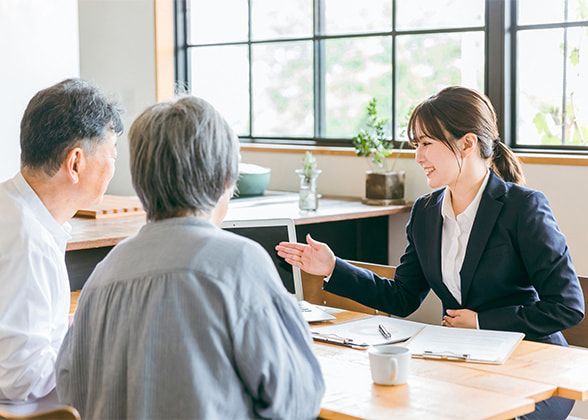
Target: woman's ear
{"type": "Point", "coordinates": [73, 164]}
{"type": "Point", "coordinates": [470, 141]}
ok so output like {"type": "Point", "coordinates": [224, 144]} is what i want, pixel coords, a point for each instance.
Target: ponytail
{"type": "Point", "coordinates": [506, 164]}
{"type": "Point", "coordinates": [455, 111]}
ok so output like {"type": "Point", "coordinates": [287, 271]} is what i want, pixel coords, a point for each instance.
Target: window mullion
{"type": "Point", "coordinates": [319, 70]}
{"type": "Point", "coordinates": [181, 41]}
{"type": "Point", "coordinates": [250, 61]}
{"type": "Point", "coordinates": [393, 72]}
{"type": "Point", "coordinates": [498, 84]}
{"type": "Point", "coordinates": [564, 78]}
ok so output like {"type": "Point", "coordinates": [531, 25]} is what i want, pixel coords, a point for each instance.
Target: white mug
{"type": "Point", "coordinates": [390, 365]}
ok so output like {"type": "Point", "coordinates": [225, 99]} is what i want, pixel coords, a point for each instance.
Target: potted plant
{"type": "Point", "coordinates": [384, 185]}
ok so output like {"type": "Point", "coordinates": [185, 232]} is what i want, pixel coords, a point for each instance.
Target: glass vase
{"type": "Point", "coordinates": [308, 197]}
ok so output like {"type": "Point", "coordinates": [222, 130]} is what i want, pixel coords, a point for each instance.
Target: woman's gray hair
{"type": "Point", "coordinates": [184, 156]}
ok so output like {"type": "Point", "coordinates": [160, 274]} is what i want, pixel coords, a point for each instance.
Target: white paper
{"type": "Point", "coordinates": [365, 330]}
{"type": "Point", "coordinates": [485, 346]}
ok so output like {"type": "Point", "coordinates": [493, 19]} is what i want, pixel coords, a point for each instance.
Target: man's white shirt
{"type": "Point", "coordinates": [35, 292]}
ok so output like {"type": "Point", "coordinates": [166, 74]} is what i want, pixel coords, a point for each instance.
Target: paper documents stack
{"type": "Point", "coordinates": [464, 344]}
{"type": "Point", "coordinates": [424, 340]}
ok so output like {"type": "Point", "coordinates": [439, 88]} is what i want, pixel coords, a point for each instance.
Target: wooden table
{"type": "Point", "coordinates": [448, 390]}
{"type": "Point", "coordinates": [451, 390]}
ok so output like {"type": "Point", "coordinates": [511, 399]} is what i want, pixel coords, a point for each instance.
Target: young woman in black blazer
{"type": "Point", "coordinates": [488, 247]}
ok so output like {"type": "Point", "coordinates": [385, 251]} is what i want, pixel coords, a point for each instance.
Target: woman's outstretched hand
{"type": "Point", "coordinates": [314, 258]}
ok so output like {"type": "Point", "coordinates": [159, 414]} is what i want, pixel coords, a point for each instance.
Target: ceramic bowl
{"type": "Point", "coordinates": [253, 180]}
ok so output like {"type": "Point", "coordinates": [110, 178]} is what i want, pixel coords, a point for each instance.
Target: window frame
{"type": "Point", "coordinates": [500, 33]}
{"type": "Point", "coordinates": [511, 13]}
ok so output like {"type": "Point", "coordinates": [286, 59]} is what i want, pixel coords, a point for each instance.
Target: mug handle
{"type": "Point", "coordinates": [393, 368]}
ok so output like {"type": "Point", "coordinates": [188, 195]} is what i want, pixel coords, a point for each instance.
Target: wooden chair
{"type": "Point", "coordinates": [313, 292]}
{"type": "Point", "coordinates": [63, 413]}
{"type": "Point", "coordinates": [429, 312]}
{"type": "Point", "coordinates": [578, 334]}
{"type": "Point", "coordinates": [47, 408]}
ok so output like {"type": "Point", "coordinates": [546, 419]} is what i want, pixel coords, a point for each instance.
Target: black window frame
{"type": "Point", "coordinates": [500, 33]}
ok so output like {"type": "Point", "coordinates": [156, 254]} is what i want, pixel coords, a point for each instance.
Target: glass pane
{"type": "Point", "coordinates": [210, 22]}
{"type": "Point", "coordinates": [577, 10]}
{"type": "Point", "coordinates": [357, 69]}
{"type": "Point", "coordinates": [428, 63]}
{"type": "Point", "coordinates": [437, 14]}
{"type": "Point", "coordinates": [550, 11]}
{"type": "Point", "coordinates": [576, 92]}
{"type": "Point", "coordinates": [352, 16]}
{"type": "Point", "coordinates": [221, 76]}
{"type": "Point", "coordinates": [541, 63]}
{"type": "Point", "coordinates": [540, 11]}
{"type": "Point", "coordinates": [281, 19]}
{"type": "Point", "coordinates": [282, 89]}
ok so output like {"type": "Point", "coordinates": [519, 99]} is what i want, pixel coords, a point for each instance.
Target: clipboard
{"type": "Point", "coordinates": [424, 340]}
{"type": "Point", "coordinates": [464, 344]}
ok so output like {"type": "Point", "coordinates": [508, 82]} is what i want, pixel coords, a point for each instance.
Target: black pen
{"type": "Point", "coordinates": [385, 333]}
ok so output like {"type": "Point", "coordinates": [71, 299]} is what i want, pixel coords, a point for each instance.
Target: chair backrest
{"type": "Point", "coordinates": [62, 413]}
{"type": "Point", "coordinates": [578, 334]}
{"type": "Point", "coordinates": [313, 292]}
{"type": "Point", "coordinates": [430, 311]}
{"type": "Point", "coordinates": [45, 408]}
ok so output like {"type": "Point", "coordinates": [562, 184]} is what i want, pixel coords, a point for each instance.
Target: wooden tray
{"type": "Point", "coordinates": [113, 206]}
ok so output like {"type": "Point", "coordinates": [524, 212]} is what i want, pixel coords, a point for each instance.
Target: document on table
{"type": "Point", "coordinates": [464, 344]}
{"type": "Point", "coordinates": [424, 340]}
{"type": "Point", "coordinates": [365, 332]}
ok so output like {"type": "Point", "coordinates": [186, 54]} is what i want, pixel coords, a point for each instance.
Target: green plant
{"type": "Point", "coordinates": [308, 165]}
{"type": "Point", "coordinates": [372, 141]}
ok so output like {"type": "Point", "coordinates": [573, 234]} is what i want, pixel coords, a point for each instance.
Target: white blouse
{"type": "Point", "coordinates": [454, 239]}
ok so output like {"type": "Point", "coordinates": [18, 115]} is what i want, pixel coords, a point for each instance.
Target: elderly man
{"type": "Point", "coordinates": [68, 148]}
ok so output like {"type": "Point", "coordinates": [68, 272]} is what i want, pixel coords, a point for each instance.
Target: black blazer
{"type": "Point", "coordinates": [517, 273]}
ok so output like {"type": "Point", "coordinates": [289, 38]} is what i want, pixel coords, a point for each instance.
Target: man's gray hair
{"type": "Point", "coordinates": [69, 114]}
{"type": "Point", "coordinates": [184, 155]}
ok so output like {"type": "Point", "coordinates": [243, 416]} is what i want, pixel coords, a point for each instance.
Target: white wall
{"type": "Point", "coordinates": [117, 54]}
{"type": "Point", "coordinates": [39, 47]}
{"type": "Point", "coordinates": [39, 44]}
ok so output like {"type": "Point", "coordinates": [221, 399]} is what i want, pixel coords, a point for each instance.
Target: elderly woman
{"type": "Point", "coordinates": [185, 320]}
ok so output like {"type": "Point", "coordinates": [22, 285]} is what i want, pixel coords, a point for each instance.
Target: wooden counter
{"type": "Point", "coordinates": [354, 230]}
{"type": "Point", "coordinates": [91, 233]}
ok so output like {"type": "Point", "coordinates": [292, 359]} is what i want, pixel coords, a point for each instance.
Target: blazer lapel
{"type": "Point", "coordinates": [484, 222]}
{"type": "Point", "coordinates": [432, 264]}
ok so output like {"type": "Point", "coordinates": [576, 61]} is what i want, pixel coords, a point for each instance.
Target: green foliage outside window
{"type": "Point", "coordinates": [550, 122]}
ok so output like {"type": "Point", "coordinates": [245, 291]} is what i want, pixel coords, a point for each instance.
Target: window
{"type": "Point", "coordinates": [551, 41]}
{"type": "Point", "coordinates": [303, 71]}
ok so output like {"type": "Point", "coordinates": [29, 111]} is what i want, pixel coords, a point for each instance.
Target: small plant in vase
{"type": "Point", "coordinates": [384, 185]}
{"type": "Point", "coordinates": [308, 198]}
